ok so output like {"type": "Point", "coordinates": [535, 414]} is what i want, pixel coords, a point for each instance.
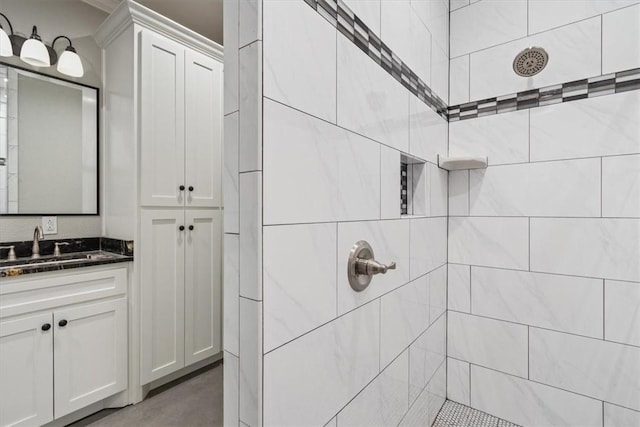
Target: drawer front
{"type": "Point", "coordinates": [25, 295]}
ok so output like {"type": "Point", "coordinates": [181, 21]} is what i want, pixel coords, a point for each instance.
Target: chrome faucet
{"type": "Point", "coordinates": [37, 235]}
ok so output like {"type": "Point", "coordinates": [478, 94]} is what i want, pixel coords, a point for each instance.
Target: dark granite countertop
{"type": "Point", "coordinates": [86, 252]}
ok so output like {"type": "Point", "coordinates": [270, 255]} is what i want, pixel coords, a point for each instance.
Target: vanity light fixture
{"type": "Point", "coordinates": [34, 52]}
{"type": "Point", "coordinates": [69, 62]}
{"type": "Point", "coordinates": [5, 41]}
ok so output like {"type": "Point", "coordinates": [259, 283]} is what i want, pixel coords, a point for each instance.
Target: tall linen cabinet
{"type": "Point", "coordinates": [161, 184]}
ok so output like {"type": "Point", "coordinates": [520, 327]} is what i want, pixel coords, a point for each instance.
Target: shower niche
{"type": "Point", "coordinates": [414, 186]}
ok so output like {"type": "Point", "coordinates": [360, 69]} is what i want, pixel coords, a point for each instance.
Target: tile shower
{"type": "Point", "coordinates": [517, 291]}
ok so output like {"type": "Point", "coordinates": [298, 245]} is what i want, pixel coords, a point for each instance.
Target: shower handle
{"type": "Point", "coordinates": [362, 266]}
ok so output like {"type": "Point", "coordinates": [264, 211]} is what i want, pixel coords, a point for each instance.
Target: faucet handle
{"type": "Point", "coordinates": [12, 253]}
{"type": "Point", "coordinates": [56, 250]}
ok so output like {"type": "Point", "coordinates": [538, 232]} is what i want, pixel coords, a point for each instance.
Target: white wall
{"type": "Point", "coordinates": [314, 132]}
{"type": "Point", "coordinates": [544, 277]}
{"type": "Point", "coordinates": [78, 21]}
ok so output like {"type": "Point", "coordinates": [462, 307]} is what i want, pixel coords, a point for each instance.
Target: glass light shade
{"type": "Point", "coordinates": [5, 44]}
{"type": "Point", "coordinates": [70, 64]}
{"type": "Point", "coordinates": [35, 53]}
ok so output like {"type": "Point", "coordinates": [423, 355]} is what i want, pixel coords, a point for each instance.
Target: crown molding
{"type": "Point", "coordinates": [128, 12]}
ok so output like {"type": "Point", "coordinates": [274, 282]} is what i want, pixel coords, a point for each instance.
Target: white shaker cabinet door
{"type": "Point", "coordinates": [162, 121]}
{"type": "Point", "coordinates": [203, 284]}
{"type": "Point", "coordinates": [90, 354]}
{"type": "Point", "coordinates": [203, 130]}
{"type": "Point", "coordinates": [162, 292]}
{"type": "Point", "coordinates": [26, 371]}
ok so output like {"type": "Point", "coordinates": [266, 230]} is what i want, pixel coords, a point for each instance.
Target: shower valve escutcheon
{"type": "Point", "coordinates": [362, 266]}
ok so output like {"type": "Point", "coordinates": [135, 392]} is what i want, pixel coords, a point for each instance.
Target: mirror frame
{"type": "Point", "coordinates": [98, 106]}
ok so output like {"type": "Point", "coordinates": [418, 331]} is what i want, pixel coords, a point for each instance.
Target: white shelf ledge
{"type": "Point", "coordinates": [462, 163]}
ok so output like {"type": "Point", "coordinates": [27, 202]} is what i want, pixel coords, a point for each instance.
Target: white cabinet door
{"type": "Point", "coordinates": [26, 371]}
{"type": "Point", "coordinates": [161, 121]}
{"type": "Point", "coordinates": [162, 292]}
{"type": "Point", "coordinates": [90, 349]}
{"type": "Point", "coordinates": [203, 326]}
{"type": "Point", "coordinates": [203, 127]}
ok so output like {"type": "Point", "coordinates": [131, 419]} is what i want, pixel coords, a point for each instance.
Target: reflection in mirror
{"type": "Point", "coordinates": [48, 145]}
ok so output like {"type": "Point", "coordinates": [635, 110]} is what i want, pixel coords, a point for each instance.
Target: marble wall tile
{"type": "Point", "coordinates": [592, 247]}
{"type": "Point", "coordinates": [574, 49]}
{"type": "Point", "coordinates": [530, 404]}
{"type": "Point", "coordinates": [459, 288]}
{"type": "Point", "coordinates": [601, 126]}
{"type": "Point", "coordinates": [622, 312]}
{"type": "Point", "coordinates": [487, 23]}
{"type": "Point", "coordinates": [621, 39]}
{"type": "Point", "coordinates": [562, 303]}
{"type": "Point", "coordinates": [435, 16]}
{"type": "Point", "coordinates": [427, 405]}
{"type": "Point", "coordinates": [438, 189]}
{"type": "Point", "coordinates": [404, 316]}
{"type": "Point", "coordinates": [332, 423]}
{"type": "Point", "coordinates": [615, 416]}
{"type": "Point", "coordinates": [426, 354]}
{"type": "Point", "coordinates": [299, 280]}
{"type": "Point", "coordinates": [250, 17]}
{"type": "Point", "coordinates": [561, 188]}
{"type": "Point", "coordinates": [547, 14]}
{"type": "Point", "coordinates": [251, 235]}
{"type": "Point", "coordinates": [230, 384]}
{"type": "Point", "coordinates": [389, 183]}
{"type": "Point", "coordinates": [300, 71]}
{"type": "Point", "coordinates": [231, 46]}
{"type": "Point", "coordinates": [491, 343]}
{"type": "Point", "coordinates": [428, 132]}
{"type": "Point", "coordinates": [599, 369]}
{"type": "Point", "coordinates": [370, 101]}
{"type": "Point", "coordinates": [457, 4]}
{"type": "Point", "coordinates": [458, 376]}
{"type": "Point", "coordinates": [390, 242]}
{"type": "Point", "coordinates": [419, 199]}
{"type": "Point", "coordinates": [428, 245]}
{"type": "Point", "coordinates": [231, 189]}
{"type": "Point", "coordinates": [621, 186]}
{"type": "Point", "coordinates": [307, 381]}
{"type": "Point", "coordinates": [503, 138]}
{"type": "Point", "coordinates": [407, 36]}
{"type": "Point", "coordinates": [459, 80]}
{"type": "Point", "coordinates": [437, 293]}
{"type": "Point", "coordinates": [231, 293]}
{"type": "Point", "coordinates": [368, 11]}
{"type": "Point", "coordinates": [251, 362]}
{"type": "Point", "coordinates": [384, 401]}
{"type": "Point", "coordinates": [491, 242]}
{"type": "Point", "coordinates": [305, 155]}
{"type": "Point", "coordinates": [459, 193]}
{"type": "Point", "coordinates": [440, 71]}
{"type": "Point", "coordinates": [250, 94]}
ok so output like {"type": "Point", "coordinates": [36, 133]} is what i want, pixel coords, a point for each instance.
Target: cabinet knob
{"type": "Point", "coordinates": [190, 188]}
{"type": "Point", "coordinates": [181, 228]}
{"type": "Point", "coordinates": [190, 227]}
{"type": "Point", "coordinates": [46, 326]}
{"type": "Point", "coordinates": [62, 323]}
{"type": "Point", "coordinates": [181, 188]}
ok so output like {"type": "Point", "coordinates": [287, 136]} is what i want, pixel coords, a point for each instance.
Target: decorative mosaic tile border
{"type": "Point", "coordinates": [586, 88]}
{"type": "Point", "coordinates": [341, 17]}
{"type": "Point", "coordinates": [454, 414]}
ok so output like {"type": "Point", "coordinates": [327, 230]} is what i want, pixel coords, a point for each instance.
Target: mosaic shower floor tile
{"type": "Point", "coordinates": [455, 414]}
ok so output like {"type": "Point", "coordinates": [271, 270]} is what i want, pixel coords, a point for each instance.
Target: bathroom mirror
{"type": "Point", "coordinates": [48, 145]}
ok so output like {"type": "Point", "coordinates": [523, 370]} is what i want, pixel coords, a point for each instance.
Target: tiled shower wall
{"type": "Point", "coordinates": [544, 245]}
{"type": "Point", "coordinates": [314, 132]}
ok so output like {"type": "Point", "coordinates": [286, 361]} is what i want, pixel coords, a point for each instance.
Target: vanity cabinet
{"type": "Point", "coordinates": [180, 289]}
{"type": "Point", "coordinates": [63, 343]}
{"type": "Point", "coordinates": [181, 129]}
